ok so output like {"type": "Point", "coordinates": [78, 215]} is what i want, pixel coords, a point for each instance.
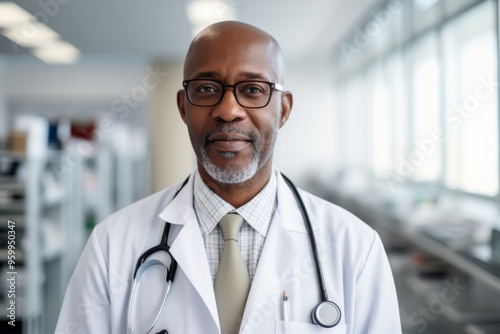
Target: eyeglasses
{"type": "Point", "coordinates": [249, 94]}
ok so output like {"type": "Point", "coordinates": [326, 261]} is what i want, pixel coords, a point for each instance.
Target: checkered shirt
{"type": "Point", "coordinates": [257, 215]}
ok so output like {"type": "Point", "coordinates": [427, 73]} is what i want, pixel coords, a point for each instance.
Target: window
{"type": "Point", "coordinates": [396, 77]}
{"type": "Point", "coordinates": [424, 157]}
{"type": "Point", "coordinates": [425, 109]}
{"type": "Point", "coordinates": [356, 122]}
{"type": "Point", "coordinates": [471, 102]}
{"type": "Point", "coordinates": [381, 121]}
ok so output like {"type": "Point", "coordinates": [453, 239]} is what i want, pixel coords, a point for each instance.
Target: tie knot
{"type": "Point", "coordinates": [231, 225]}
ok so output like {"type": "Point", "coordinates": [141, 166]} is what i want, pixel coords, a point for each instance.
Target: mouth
{"type": "Point", "coordinates": [228, 141]}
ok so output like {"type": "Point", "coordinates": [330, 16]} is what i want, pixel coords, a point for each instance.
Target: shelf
{"type": "Point", "coordinates": [15, 207]}
{"type": "Point", "coordinates": [11, 184]}
{"type": "Point", "coordinates": [16, 218]}
{"type": "Point", "coordinates": [13, 155]}
{"type": "Point", "coordinates": [19, 256]}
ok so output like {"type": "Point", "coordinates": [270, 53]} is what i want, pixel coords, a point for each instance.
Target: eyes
{"type": "Point", "coordinates": [206, 89]}
{"type": "Point", "coordinates": [246, 88]}
{"type": "Point", "coordinates": [249, 94]}
{"type": "Point", "coordinates": [256, 89]}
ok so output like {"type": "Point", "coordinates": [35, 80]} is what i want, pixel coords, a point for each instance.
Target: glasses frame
{"type": "Point", "coordinates": [273, 85]}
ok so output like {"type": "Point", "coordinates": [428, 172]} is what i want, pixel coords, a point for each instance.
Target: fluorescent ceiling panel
{"type": "Point", "coordinates": [31, 34]}
{"type": "Point", "coordinates": [12, 15]}
{"type": "Point", "coordinates": [206, 12]}
{"type": "Point", "coordinates": [423, 5]}
{"type": "Point", "coordinates": [58, 52]}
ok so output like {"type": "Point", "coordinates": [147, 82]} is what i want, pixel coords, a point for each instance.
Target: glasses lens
{"type": "Point", "coordinates": [253, 94]}
{"type": "Point", "coordinates": [204, 93]}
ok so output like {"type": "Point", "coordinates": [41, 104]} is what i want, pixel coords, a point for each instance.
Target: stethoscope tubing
{"type": "Point", "coordinates": [312, 238]}
{"type": "Point", "coordinates": [136, 280]}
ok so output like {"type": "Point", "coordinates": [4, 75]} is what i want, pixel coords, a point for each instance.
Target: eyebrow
{"type": "Point", "coordinates": [245, 75]}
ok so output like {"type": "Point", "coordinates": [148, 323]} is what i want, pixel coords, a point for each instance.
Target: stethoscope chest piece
{"type": "Point", "coordinates": [326, 314]}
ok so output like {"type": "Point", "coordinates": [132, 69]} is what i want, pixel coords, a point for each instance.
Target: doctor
{"type": "Point", "coordinates": [233, 104]}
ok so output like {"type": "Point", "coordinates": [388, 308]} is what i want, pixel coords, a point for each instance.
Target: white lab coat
{"type": "Point", "coordinates": [356, 270]}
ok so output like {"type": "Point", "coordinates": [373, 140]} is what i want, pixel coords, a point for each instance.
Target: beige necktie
{"type": "Point", "coordinates": [232, 282]}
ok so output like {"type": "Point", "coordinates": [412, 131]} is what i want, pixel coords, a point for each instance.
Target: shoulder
{"type": "Point", "coordinates": [331, 215]}
{"type": "Point", "coordinates": [340, 227]}
{"type": "Point", "coordinates": [333, 221]}
{"type": "Point", "coordinates": [340, 231]}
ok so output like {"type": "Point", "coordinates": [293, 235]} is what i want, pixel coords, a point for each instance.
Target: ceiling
{"type": "Point", "coordinates": [160, 28]}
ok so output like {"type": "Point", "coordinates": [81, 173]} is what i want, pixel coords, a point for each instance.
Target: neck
{"type": "Point", "coordinates": [237, 194]}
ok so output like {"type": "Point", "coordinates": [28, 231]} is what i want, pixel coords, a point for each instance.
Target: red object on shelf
{"type": "Point", "coordinates": [83, 130]}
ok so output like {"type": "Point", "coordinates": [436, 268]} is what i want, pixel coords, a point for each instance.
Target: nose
{"type": "Point", "coordinates": [228, 109]}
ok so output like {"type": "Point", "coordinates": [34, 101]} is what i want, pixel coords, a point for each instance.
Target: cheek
{"type": "Point", "coordinates": [195, 127]}
{"type": "Point", "coordinates": [269, 132]}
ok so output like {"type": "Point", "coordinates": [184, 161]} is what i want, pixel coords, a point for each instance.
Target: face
{"type": "Point", "coordinates": [233, 144]}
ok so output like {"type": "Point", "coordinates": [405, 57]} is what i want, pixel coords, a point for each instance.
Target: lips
{"type": "Point", "coordinates": [228, 141]}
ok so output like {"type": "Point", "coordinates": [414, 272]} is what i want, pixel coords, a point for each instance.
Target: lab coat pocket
{"type": "Point", "coordinates": [293, 327]}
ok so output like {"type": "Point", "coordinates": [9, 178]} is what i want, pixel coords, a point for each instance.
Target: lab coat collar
{"type": "Point", "coordinates": [180, 208]}
{"type": "Point", "coordinates": [289, 209]}
{"type": "Point", "coordinates": [279, 253]}
{"type": "Point", "coordinates": [188, 248]}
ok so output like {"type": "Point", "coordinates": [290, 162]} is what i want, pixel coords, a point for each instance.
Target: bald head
{"type": "Point", "coordinates": [229, 41]}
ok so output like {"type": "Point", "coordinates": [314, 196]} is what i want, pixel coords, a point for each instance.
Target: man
{"type": "Point", "coordinates": [233, 105]}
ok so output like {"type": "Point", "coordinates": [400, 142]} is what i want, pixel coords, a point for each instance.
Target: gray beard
{"type": "Point", "coordinates": [229, 175]}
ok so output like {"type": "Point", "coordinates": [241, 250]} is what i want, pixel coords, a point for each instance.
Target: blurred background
{"type": "Point", "coordinates": [395, 118]}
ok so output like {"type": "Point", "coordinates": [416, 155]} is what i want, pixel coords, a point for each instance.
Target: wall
{"type": "Point", "coordinates": [172, 155]}
{"type": "Point", "coordinates": [83, 83]}
{"type": "Point", "coordinates": [306, 142]}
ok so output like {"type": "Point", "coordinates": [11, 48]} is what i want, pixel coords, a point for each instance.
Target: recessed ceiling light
{"type": "Point", "coordinates": [209, 11]}
{"type": "Point", "coordinates": [11, 15]}
{"type": "Point", "coordinates": [57, 52]}
{"type": "Point", "coordinates": [31, 34]}
{"type": "Point", "coordinates": [423, 5]}
{"type": "Point", "coordinates": [23, 29]}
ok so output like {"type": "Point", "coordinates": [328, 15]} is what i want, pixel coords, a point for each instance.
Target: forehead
{"type": "Point", "coordinates": [230, 56]}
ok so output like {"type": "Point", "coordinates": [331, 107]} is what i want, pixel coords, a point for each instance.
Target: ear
{"type": "Point", "coordinates": [181, 103]}
{"type": "Point", "coordinates": [286, 107]}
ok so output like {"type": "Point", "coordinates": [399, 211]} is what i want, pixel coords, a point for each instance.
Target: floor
{"type": "Point", "coordinates": [436, 299]}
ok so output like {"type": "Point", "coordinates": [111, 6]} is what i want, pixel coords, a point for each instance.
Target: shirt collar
{"type": "Point", "coordinates": [258, 212]}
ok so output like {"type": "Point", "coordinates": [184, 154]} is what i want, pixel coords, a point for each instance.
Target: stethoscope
{"type": "Point", "coordinates": [326, 314]}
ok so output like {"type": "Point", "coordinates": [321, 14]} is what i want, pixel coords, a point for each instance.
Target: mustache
{"type": "Point", "coordinates": [230, 128]}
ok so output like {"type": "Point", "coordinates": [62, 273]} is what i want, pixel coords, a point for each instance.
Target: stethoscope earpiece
{"type": "Point", "coordinates": [326, 314]}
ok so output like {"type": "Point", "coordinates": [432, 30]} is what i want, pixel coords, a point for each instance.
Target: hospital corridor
{"type": "Point", "coordinates": [394, 118]}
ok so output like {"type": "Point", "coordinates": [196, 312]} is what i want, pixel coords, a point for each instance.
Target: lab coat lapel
{"type": "Point", "coordinates": [187, 247]}
{"type": "Point", "coordinates": [279, 252]}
